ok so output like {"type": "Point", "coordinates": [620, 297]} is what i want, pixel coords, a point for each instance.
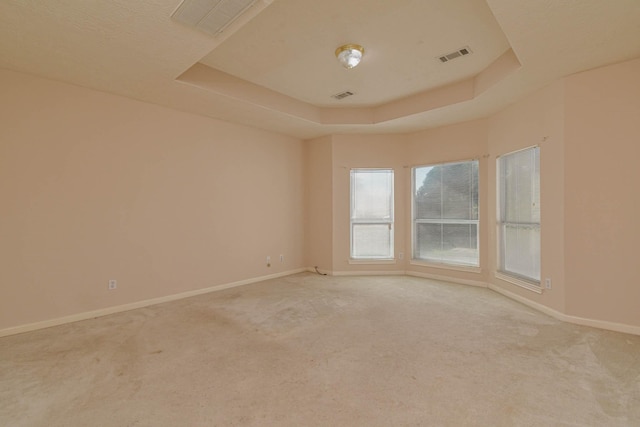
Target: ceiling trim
{"type": "Point", "coordinates": [221, 83]}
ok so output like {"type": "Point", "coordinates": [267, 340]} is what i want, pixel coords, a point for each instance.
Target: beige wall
{"type": "Point", "coordinates": [319, 203]}
{"type": "Point", "coordinates": [536, 120]}
{"type": "Point", "coordinates": [602, 228]}
{"type": "Point", "coordinates": [584, 123]}
{"type": "Point", "coordinates": [97, 187]}
{"type": "Point", "coordinates": [366, 151]}
{"type": "Point", "coordinates": [459, 142]}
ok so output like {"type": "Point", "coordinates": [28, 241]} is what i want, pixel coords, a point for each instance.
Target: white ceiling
{"type": "Point", "coordinates": [289, 47]}
{"type": "Point", "coordinates": [274, 68]}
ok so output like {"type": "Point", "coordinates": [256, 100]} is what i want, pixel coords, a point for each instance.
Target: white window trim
{"type": "Point", "coordinates": [526, 284]}
{"type": "Point", "coordinates": [430, 263]}
{"type": "Point", "coordinates": [507, 276]}
{"type": "Point", "coordinates": [372, 261]}
{"type": "Point", "coordinates": [445, 266]}
{"type": "Point", "coordinates": [390, 222]}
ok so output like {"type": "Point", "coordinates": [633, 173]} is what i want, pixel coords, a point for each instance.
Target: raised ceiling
{"type": "Point", "coordinates": [289, 48]}
{"type": "Point", "coordinates": [274, 67]}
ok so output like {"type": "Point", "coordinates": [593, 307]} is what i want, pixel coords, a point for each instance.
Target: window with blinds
{"type": "Point", "coordinates": [519, 214]}
{"type": "Point", "coordinates": [372, 213]}
{"type": "Point", "coordinates": [445, 213]}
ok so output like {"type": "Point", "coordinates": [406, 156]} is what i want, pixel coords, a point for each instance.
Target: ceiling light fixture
{"type": "Point", "coordinates": [349, 55]}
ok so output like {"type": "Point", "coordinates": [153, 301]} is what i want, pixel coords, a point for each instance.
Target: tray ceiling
{"type": "Point", "coordinates": [274, 67]}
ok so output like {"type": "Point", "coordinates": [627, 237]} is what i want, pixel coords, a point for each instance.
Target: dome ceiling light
{"type": "Point", "coordinates": [349, 55]}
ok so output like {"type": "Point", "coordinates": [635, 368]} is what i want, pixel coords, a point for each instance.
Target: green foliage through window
{"type": "Point", "coordinates": [445, 213]}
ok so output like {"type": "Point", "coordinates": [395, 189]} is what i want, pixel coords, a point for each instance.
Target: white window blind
{"type": "Point", "coordinates": [445, 213]}
{"type": "Point", "coordinates": [519, 214]}
{"type": "Point", "coordinates": [371, 213]}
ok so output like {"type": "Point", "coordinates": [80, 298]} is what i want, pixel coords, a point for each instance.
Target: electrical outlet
{"type": "Point", "coordinates": [268, 261]}
{"type": "Point", "coordinates": [281, 258]}
{"type": "Point", "coordinates": [401, 255]}
{"type": "Point", "coordinates": [113, 284]}
{"type": "Point", "coordinates": [547, 283]}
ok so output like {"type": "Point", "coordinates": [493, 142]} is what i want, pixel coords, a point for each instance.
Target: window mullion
{"type": "Point", "coordinates": [445, 234]}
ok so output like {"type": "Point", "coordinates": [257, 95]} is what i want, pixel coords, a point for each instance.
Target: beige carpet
{"type": "Point", "coordinates": [311, 350]}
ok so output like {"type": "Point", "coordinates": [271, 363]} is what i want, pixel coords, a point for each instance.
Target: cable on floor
{"type": "Point", "coordinates": [317, 271]}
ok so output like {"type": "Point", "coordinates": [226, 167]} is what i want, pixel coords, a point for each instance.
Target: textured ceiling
{"type": "Point", "coordinates": [402, 38]}
{"type": "Point", "coordinates": [274, 68]}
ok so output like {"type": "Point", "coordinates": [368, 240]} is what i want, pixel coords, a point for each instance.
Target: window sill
{"type": "Point", "coordinates": [464, 268]}
{"type": "Point", "coordinates": [532, 286]}
{"type": "Point", "coordinates": [372, 261]}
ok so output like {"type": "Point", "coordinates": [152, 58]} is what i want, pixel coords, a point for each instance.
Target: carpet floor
{"type": "Point", "coordinates": [310, 350]}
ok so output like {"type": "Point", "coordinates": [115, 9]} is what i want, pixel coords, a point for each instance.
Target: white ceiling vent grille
{"type": "Point", "coordinates": [210, 16]}
{"type": "Point", "coordinates": [453, 55]}
{"type": "Point", "coordinates": [342, 95]}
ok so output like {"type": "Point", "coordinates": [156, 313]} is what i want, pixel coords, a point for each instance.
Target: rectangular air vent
{"type": "Point", "coordinates": [453, 55]}
{"type": "Point", "coordinates": [342, 95]}
{"type": "Point", "coordinates": [210, 16]}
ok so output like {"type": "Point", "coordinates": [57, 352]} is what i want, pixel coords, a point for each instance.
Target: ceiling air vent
{"type": "Point", "coordinates": [210, 16]}
{"type": "Point", "coordinates": [453, 55]}
{"type": "Point", "coordinates": [342, 95]}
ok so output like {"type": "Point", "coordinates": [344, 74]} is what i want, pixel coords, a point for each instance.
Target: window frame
{"type": "Point", "coordinates": [415, 222]}
{"type": "Point", "coordinates": [371, 221]}
{"type": "Point", "coordinates": [515, 278]}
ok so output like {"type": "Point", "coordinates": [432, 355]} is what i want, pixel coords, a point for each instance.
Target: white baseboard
{"type": "Point", "coordinates": [369, 273]}
{"type": "Point", "coordinates": [322, 271]}
{"type": "Point", "coordinates": [447, 279]}
{"type": "Point", "coordinates": [139, 304]}
{"type": "Point", "coordinates": [601, 324]}
{"type": "Point", "coordinates": [612, 326]}
{"type": "Point", "coordinates": [357, 272]}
